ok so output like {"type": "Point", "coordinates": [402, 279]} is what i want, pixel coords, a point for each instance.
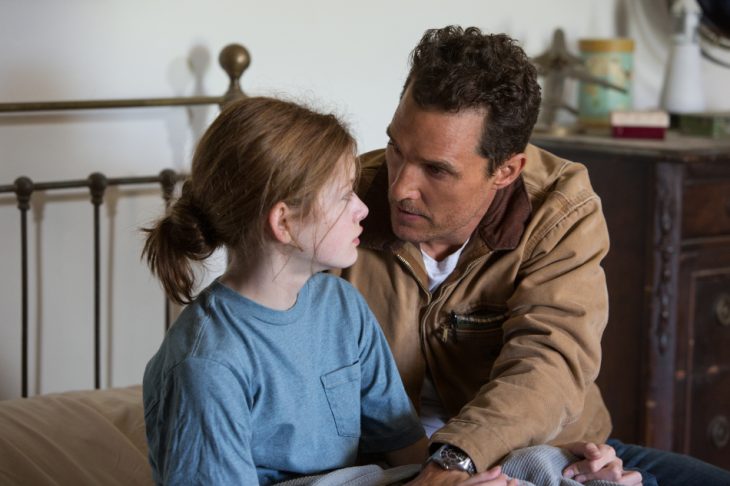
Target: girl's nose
{"type": "Point", "coordinates": [361, 210]}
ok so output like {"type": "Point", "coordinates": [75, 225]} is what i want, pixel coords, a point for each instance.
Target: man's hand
{"type": "Point", "coordinates": [600, 462]}
{"type": "Point", "coordinates": [433, 475]}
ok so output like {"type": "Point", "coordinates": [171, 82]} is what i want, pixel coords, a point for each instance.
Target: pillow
{"type": "Point", "coordinates": [85, 437]}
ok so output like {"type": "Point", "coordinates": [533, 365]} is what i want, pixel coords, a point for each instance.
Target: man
{"type": "Point", "coordinates": [481, 259]}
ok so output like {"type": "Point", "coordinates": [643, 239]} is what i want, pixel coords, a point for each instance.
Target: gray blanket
{"type": "Point", "coordinates": [533, 466]}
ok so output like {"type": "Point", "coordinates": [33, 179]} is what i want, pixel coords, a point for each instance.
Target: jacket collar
{"type": "Point", "coordinates": [501, 228]}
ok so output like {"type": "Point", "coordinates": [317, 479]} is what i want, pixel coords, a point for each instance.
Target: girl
{"type": "Point", "coordinates": [275, 370]}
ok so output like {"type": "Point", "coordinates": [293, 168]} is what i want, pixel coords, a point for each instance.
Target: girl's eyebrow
{"type": "Point", "coordinates": [348, 186]}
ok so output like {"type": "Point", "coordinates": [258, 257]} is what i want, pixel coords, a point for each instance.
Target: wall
{"type": "Point", "coordinates": [344, 56]}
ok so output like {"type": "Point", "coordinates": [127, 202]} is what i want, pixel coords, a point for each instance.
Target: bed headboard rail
{"type": "Point", "coordinates": [97, 184]}
{"type": "Point", "coordinates": [234, 59]}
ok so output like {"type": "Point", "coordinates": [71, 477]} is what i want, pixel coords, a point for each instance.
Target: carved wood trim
{"type": "Point", "coordinates": [661, 334]}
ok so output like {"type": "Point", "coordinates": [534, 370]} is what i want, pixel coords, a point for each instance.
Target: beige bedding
{"type": "Point", "coordinates": [75, 438]}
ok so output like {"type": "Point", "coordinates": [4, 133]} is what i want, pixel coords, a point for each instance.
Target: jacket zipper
{"type": "Point", "coordinates": [413, 272]}
{"type": "Point", "coordinates": [445, 329]}
{"type": "Point", "coordinates": [448, 326]}
{"type": "Point", "coordinates": [428, 293]}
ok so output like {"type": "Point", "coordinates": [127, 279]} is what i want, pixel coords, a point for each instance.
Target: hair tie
{"type": "Point", "coordinates": [199, 215]}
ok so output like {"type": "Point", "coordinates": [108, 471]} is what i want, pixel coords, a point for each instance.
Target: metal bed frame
{"type": "Point", "coordinates": [234, 59]}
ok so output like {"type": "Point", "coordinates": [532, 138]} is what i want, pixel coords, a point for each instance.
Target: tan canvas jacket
{"type": "Point", "coordinates": [512, 338]}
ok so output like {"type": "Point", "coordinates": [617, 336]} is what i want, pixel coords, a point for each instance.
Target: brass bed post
{"type": "Point", "coordinates": [23, 191]}
{"type": "Point", "coordinates": [234, 59]}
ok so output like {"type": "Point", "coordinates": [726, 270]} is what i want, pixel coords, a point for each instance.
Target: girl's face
{"type": "Point", "coordinates": [329, 238]}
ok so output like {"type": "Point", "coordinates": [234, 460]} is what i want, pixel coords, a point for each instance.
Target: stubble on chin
{"type": "Point", "coordinates": [409, 234]}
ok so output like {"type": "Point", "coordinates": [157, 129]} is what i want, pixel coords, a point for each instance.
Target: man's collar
{"type": "Point", "coordinates": [501, 228]}
{"type": "Point", "coordinates": [504, 223]}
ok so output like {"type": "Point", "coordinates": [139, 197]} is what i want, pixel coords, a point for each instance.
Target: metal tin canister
{"type": "Point", "coordinates": [611, 60]}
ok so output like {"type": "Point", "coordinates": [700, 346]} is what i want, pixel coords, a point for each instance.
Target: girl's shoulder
{"type": "Point", "coordinates": [205, 328]}
{"type": "Point", "coordinates": [324, 282]}
{"type": "Point", "coordinates": [337, 295]}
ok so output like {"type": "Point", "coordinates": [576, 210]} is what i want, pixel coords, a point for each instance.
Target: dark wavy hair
{"type": "Point", "coordinates": [454, 69]}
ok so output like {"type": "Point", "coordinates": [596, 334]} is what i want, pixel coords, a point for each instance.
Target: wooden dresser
{"type": "Point", "coordinates": [666, 368]}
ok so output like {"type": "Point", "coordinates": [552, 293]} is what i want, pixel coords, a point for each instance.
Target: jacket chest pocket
{"type": "Point", "coordinates": [342, 389]}
{"type": "Point", "coordinates": [473, 340]}
{"type": "Point", "coordinates": [481, 323]}
{"type": "Point", "coordinates": [483, 320]}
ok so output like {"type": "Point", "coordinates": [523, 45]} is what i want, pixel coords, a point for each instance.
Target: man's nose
{"type": "Point", "coordinates": [404, 183]}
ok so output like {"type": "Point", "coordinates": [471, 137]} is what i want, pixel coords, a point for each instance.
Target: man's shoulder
{"type": "Point", "coordinates": [546, 174]}
{"type": "Point", "coordinates": [372, 159]}
{"type": "Point", "coordinates": [370, 163]}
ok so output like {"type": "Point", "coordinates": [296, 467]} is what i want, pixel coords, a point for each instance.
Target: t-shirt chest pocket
{"type": "Point", "coordinates": [342, 388]}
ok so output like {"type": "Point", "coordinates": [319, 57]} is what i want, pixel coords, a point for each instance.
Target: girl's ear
{"type": "Point", "coordinates": [278, 221]}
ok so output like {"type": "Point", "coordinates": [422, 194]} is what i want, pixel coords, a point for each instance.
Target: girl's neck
{"type": "Point", "coordinates": [267, 280]}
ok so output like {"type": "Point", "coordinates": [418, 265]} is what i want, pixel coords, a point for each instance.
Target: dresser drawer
{"type": "Point", "coordinates": [706, 209]}
{"type": "Point", "coordinates": [709, 401]}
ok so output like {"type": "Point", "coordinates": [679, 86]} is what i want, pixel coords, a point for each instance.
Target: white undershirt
{"type": "Point", "coordinates": [439, 271]}
{"type": "Point", "coordinates": [433, 413]}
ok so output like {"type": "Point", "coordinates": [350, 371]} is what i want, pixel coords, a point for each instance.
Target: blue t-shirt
{"type": "Point", "coordinates": [242, 394]}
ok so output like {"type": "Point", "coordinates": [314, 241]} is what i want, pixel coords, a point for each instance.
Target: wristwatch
{"type": "Point", "coordinates": [453, 458]}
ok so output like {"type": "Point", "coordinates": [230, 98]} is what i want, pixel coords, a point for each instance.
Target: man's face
{"type": "Point", "coordinates": [438, 185]}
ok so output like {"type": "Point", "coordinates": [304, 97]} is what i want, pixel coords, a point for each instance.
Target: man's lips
{"type": "Point", "coordinates": [409, 213]}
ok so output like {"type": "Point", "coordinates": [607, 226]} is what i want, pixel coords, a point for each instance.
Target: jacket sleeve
{"type": "Point", "coordinates": [552, 341]}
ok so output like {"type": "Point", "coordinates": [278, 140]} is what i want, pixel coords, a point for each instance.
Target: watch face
{"type": "Point", "coordinates": [449, 457]}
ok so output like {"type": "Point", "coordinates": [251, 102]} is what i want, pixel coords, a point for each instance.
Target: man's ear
{"type": "Point", "coordinates": [509, 171]}
{"type": "Point", "coordinates": [278, 222]}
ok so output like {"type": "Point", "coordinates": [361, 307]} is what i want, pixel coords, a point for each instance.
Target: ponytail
{"type": "Point", "coordinates": [181, 237]}
{"type": "Point", "coordinates": [257, 152]}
